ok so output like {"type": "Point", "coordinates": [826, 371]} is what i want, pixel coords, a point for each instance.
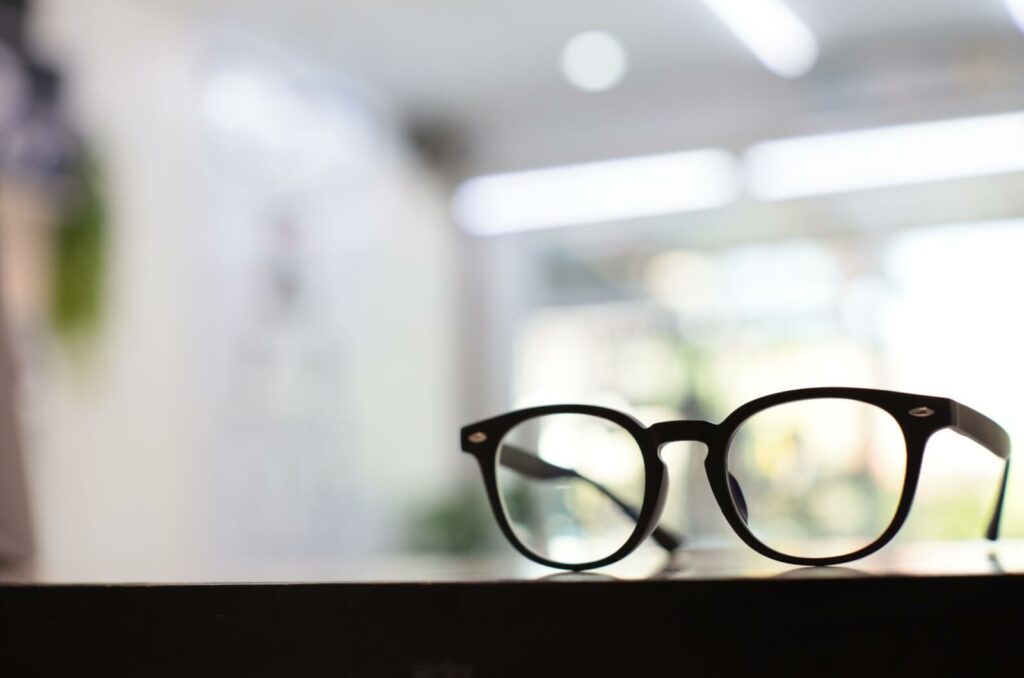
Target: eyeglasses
{"type": "Point", "coordinates": [815, 476]}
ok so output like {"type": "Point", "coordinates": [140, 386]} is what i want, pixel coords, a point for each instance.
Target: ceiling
{"type": "Point", "coordinates": [486, 71]}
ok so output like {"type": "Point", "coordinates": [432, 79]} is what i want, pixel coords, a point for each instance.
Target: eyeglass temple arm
{"type": "Point", "coordinates": [990, 435]}
{"type": "Point", "coordinates": [532, 466]}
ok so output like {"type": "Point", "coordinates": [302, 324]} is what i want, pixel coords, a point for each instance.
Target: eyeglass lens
{"type": "Point", "coordinates": [571, 486]}
{"type": "Point", "coordinates": [819, 478]}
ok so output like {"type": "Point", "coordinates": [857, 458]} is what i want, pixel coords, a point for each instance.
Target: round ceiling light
{"type": "Point", "coordinates": [594, 61]}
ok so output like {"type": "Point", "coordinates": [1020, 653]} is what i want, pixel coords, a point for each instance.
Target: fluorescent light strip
{"type": "Point", "coordinates": [770, 29]}
{"type": "Point", "coordinates": [1016, 10]}
{"type": "Point", "coordinates": [885, 156]}
{"type": "Point", "coordinates": [596, 192]}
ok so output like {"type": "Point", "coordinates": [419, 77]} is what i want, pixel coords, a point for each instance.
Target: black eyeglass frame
{"type": "Point", "coordinates": [918, 416]}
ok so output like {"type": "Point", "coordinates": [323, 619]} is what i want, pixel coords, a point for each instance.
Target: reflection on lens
{"type": "Point", "coordinates": [819, 478]}
{"type": "Point", "coordinates": [571, 486]}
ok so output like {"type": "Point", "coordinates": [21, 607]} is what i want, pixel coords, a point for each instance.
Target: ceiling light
{"type": "Point", "coordinates": [594, 61]}
{"type": "Point", "coordinates": [885, 156]}
{"type": "Point", "coordinates": [770, 29]}
{"type": "Point", "coordinates": [596, 192]}
{"type": "Point", "coordinates": [1016, 10]}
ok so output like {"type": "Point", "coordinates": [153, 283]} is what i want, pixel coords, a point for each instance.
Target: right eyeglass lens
{"type": "Point", "coordinates": [571, 486]}
{"type": "Point", "coordinates": [818, 478]}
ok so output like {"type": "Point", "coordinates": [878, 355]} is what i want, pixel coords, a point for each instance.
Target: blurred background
{"type": "Point", "coordinates": [261, 260]}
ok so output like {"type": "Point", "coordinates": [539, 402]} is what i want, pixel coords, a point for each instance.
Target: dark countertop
{"type": "Point", "coordinates": [949, 609]}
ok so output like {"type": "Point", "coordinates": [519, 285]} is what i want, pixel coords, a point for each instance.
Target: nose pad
{"type": "Point", "coordinates": [666, 537]}
{"type": "Point", "coordinates": [662, 496]}
{"type": "Point", "coordinates": [737, 495]}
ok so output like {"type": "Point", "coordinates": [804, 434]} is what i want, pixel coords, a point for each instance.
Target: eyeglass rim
{"type": "Point", "coordinates": [486, 453]}
{"type": "Point", "coordinates": [915, 437]}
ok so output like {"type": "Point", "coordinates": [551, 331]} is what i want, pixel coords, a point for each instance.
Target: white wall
{"type": "Point", "coordinates": [217, 430]}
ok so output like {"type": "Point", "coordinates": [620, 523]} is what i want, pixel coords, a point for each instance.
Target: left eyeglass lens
{"type": "Point", "coordinates": [818, 478]}
{"type": "Point", "coordinates": [571, 486]}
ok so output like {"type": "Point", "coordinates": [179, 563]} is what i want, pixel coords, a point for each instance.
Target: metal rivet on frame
{"type": "Point", "coordinates": [922, 412]}
{"type": "Point", "coordinates": [477, 437]}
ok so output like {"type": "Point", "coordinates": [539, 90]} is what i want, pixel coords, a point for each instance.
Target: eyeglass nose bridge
{"type": "Point", "coordinates": [682, 431]}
